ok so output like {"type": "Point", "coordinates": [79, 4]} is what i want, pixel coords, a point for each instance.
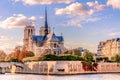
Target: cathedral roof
{"type": "Point", "coordinates": [60, 38]}
{"type": "Point", "coordinates": [49, 37]}
{"type": "Point", "coordinates": [52, 37]}
{"type": "Point", "coordinates": [37, 38]}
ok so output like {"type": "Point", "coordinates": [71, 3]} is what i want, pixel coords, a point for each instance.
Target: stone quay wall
{"type": "Point", "coordinates": [59, 67]}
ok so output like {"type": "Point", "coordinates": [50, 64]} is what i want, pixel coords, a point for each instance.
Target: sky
{"type": "Point", "coordinates": [83, 23]}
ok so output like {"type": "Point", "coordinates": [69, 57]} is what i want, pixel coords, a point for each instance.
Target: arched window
{"type": "Point", "coordinates": [55, 52]}
{"type": "Point", "coordinates": [55, 45]}
{"type": "Point", "coordinates": [29, 32]}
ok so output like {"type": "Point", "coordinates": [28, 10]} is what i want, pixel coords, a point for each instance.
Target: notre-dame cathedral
{"type": "Point", "coordinates": [44, 43]}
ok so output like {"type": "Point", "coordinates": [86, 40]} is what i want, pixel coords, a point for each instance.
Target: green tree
{"type": "Point", "coordinates": [116, 58]}
{"type": "Point", "coordinates": [14, 60]}
{"type": "Point", "coordinates": [25, 54]}
{"type": "Point", "coordinates": [77, 52]}
{"type": "Point", "coordinates": [29, 54]}
{"type": "Point", "coordinates": [105, 59]}
{"type": "Point", "coordinates": [88, 56]}
{"type": "Point", "coordinates": [50, 57]}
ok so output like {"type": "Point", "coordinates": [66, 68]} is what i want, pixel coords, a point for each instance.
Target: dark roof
{"type": "Point", "coordinates": [60, 38]}
{"type": "Point", "coordinates": [43, 38]}
{"type": "Point", "coordinates": [37, 38]}
{"type": "Point", "coordinates": [52, 37]}
{"type": "Point", "coordinates": [117, 39]}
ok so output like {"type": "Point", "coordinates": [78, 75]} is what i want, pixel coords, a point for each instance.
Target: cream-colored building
{"type": "Point", "coordinates": [45, 42]}
{"type": "Point", "coordinates": [109, 48]}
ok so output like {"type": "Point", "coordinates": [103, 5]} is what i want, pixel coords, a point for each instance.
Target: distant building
{"type": "Point", "coordinates": [46, 42]}
{"type": "Point", "coordinates": [100, 47]}
{"type": "Point", "coordinates": [109, 48]}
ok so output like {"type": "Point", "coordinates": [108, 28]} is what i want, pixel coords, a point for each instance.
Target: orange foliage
{"type": "Point", "coordinates": [22, 55]}
{"type": "Point", "coordinates": [17, 54]}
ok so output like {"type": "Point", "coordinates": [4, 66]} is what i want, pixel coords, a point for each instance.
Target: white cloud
{"type": "Point", "coordinates": [73, 22]}
{"type": "Point", "coordinates": [7, 48]}
{"type": "Point", "coordinates": [41, 17]}
{"type": "Point", "coordinates": [78, 21]}
{"type": "Point", "coordinates": [36, 2]}
{"type": "Point", "coordinates": [5, 43]}
{"type": "Point", "coordinates": [114, 34]}
{"type": "Point", "coordinates": [92, 19]}
{"type": "Point", "coordinates": [80, 13]}
{"type": "Point", "coordinates": [96, 5]}
{"type": "Point", "coordinates": [5, 38]}
{"type": "Point", "coordinates": [8, 43]}
{"type": "Point", "coordinates": [16, 0]}
{"type": "Point", "coordinates": [114, 3]}
{"type": "Point", "coordinates": [80, 9]}
{"type": "Point", "coordinates": [17, 21]}
{"type": "Point", "coordinates": [19, 43]}
{"type": "Point", "coordinates": [75, 9]}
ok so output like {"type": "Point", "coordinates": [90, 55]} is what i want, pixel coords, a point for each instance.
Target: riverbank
{"type": "Point", "coordinates": [60, 68]}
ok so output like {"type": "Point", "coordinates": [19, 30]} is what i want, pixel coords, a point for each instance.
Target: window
{"type": "Point", "coordinates": [55, 45]}
{"type": "Point", "coordinates": [61, 70]}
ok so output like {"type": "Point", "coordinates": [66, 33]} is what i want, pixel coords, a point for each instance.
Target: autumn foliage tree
{"type": "Point", "coordinates": [2, 55]}
{"type": "Point", "coordinates": [19, 55]}
{"type": "Point", "coordinates": [24, 54]}
{"type": "Point", "coordinates": [14, 54]}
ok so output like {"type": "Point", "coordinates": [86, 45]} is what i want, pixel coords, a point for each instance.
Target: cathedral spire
{"type": "Point", "coordinates": [46, 23]}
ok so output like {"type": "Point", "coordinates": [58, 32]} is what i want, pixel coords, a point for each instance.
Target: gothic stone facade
{"type": "Point", "coordinates": [44, 43]}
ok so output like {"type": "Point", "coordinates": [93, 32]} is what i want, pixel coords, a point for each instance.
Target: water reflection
{"type": "Point", "coordinates": [65, 77]}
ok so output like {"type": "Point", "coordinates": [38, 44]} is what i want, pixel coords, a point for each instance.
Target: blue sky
{"type": "Point", "coordinates": [83, 23]}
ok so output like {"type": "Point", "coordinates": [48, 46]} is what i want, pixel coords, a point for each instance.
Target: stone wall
{"type": "Point", "coordinates": [60, 67]}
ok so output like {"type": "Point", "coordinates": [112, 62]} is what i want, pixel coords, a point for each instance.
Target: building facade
{"type": "Point", "coordinates": [44, 43]}
{"type": "Point", "coordinates": [109, 48]}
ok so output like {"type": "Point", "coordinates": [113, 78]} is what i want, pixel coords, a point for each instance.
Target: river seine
{"type": "Point", "coordinates": [55, 77]}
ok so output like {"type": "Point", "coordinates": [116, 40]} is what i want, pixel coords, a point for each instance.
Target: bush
{"type": "Point", "coordinates": [52, 57]}
{"type": "Point", "coordinates": [14, 60]}
{"type": "Point", "coordinates": [105, 59]}
{"type": "Point", "coordinates": [116, 58]}
{"type": "Point", "coordinates": [29, 59]}
{"type": "Point", "coordinates": [88, 56]}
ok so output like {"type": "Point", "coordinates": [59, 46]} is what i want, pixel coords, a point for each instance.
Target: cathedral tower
{"type": "Point", "coordinates": [45, 30]}
{"type": "Point", "coordinates": [29, 31]}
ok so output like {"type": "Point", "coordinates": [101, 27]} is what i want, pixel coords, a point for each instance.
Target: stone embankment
{"type": "Point", "coordinates": [59, 67]}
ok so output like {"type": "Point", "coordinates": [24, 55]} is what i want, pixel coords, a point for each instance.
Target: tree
{"type": "Point", "coordinates": [88, 56]}
{"type": "Point", "coordinates": [22, 55]}
{"type": "Point", "coordinates": [2, 55]}
{"type": "Point", "coordinates": [14, 54]}
{"type": "Point", "coordinates": [29, 54]}
{"type": "Point", "coordinates": [76, 52]}
{"type": "Point", "coordinates": [105, 59]}
{"type": "Point", "coordinates": [116, 58]}
{"type": "Point", "coordinates": [52, 57]}
{"type": "Point", "coordinates": [14, 60]}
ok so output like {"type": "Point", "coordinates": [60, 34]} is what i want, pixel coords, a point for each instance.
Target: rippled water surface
{"type": "Point", "coordinates": [55, 77]}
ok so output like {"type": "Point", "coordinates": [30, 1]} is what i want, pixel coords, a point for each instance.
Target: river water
{"type": "Point", "coordinates": [55, 77]}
